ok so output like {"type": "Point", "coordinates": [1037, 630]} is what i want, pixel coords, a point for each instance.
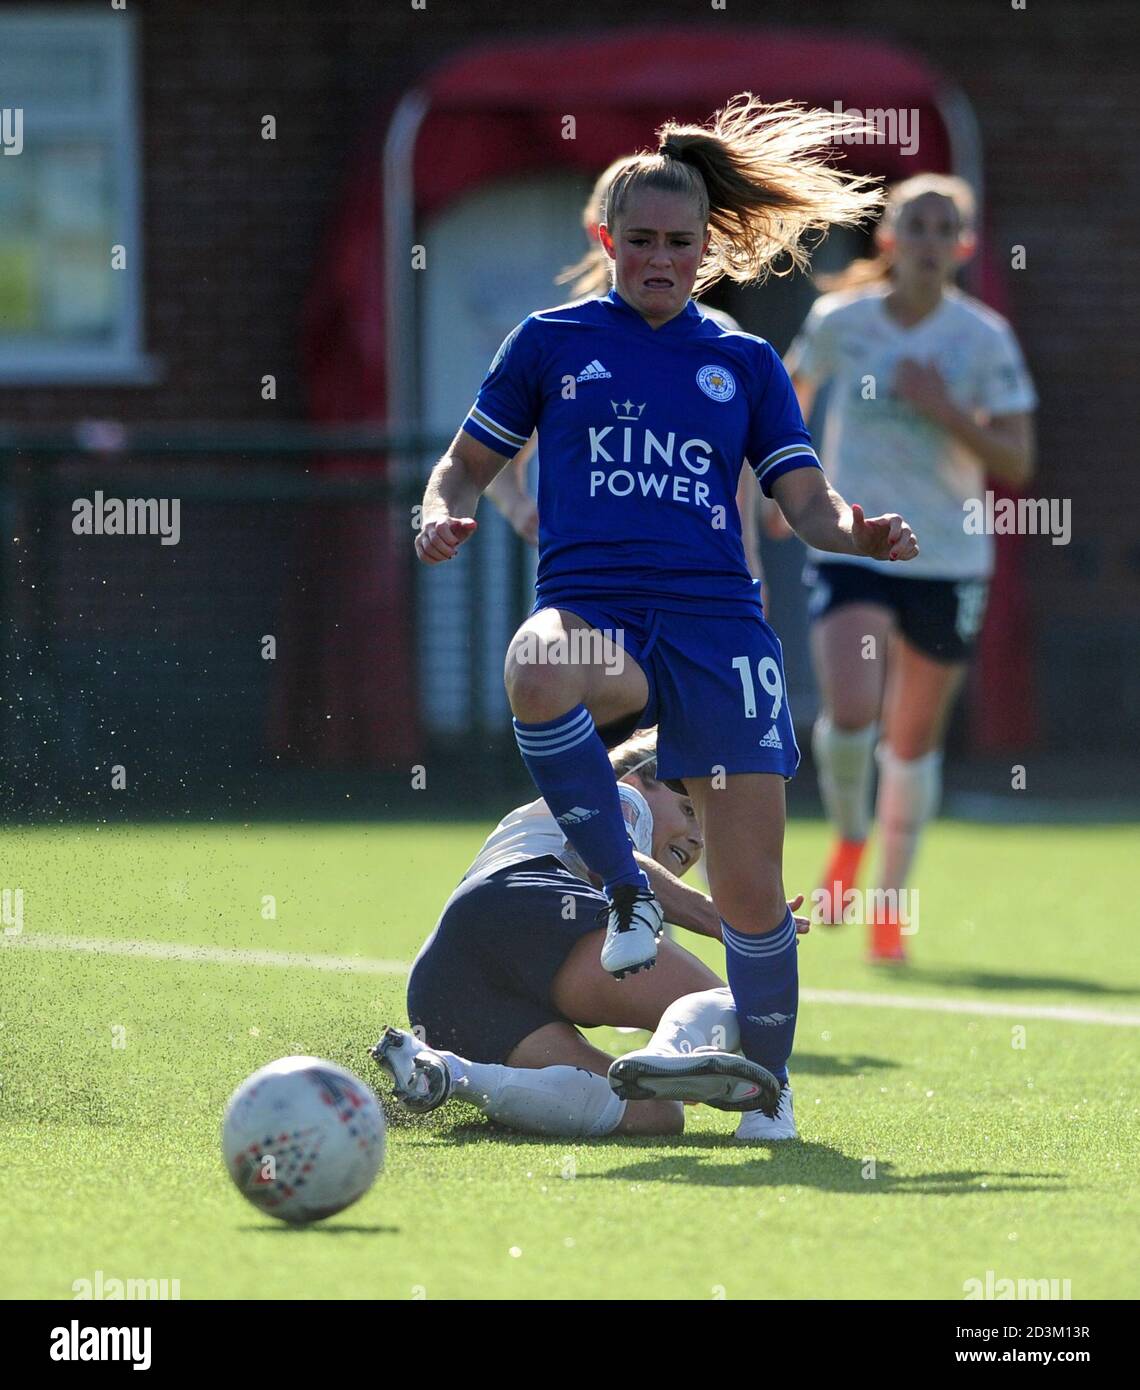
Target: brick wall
{"type": "Point", "coordinates": [233, 224]}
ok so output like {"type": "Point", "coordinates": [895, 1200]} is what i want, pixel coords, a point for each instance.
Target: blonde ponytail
{"type": "Point", "coordinates": [763, 181]}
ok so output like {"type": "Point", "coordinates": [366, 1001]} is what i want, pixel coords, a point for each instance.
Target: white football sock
{"type": "Point", "coordinates": [563, 1101]}
{"type": "Point", "coordinates": [843, 763]}
{"type": "Point", "coordinates": [909, 792]}
{"type": "Point", "coordinates": [707, 1019]}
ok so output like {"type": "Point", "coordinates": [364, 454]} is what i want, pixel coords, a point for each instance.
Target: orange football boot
{"type": "Point", "coordinates": [840, 875]}
{"type": "Point", "coordinates": [885, 938]}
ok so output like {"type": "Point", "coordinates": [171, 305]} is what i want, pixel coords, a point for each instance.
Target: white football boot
{"type": "Point", "coordinates": [782, 1125]}
{"type": "Point", "coordinates": [421, 1078]}
{"type": "Point", "coordinates": [633, 924]}
{"type": "Point", "coordinates": [705, 1075]}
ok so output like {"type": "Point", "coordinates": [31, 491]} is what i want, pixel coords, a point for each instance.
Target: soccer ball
{"type": "Point", "coordinates": [303, 1138]}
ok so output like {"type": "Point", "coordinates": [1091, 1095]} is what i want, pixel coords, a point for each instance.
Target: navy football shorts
{"type": "Point", "coordinates": [482, 980]}
{"type": "Point", "coordinates": [941, 617]}
{"type": "Point", "coordinates": [716, 688]}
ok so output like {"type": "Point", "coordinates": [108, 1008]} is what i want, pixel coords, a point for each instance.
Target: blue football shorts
{"type": "Point", "coordinates": [717, 691]}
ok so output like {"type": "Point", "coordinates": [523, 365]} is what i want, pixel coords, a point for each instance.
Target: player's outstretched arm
{"type": "Point", "coordinates": [683, 906]}
{"type": "Point", "coordinates": [447, 516]}
{"type": "Point", "coordinates": [821, 518]}
{"type": "Point", "coordinates": [690, 908]}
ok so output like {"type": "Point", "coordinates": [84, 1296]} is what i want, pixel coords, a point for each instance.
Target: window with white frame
{"type": "Point", "coordinates": [70, 243]}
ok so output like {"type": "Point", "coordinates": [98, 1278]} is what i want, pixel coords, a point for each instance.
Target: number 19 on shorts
{"type": "Point", "coordinates": [768, 674]}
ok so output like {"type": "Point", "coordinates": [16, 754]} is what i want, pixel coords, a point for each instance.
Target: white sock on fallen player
{"type": "Point", "coordinates": [909, 792]}
{"type": "Point", "coordinates": [559, 1101]}
{"type": "Point", "coordinates": [843, 760]}
{"type": "Point", "coordinates": [707, 1019]}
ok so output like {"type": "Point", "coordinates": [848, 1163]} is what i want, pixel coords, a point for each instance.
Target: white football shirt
{"type": "Point", "coordinates": [883, 453]}
{"type": "Point", "coordinates": [530, 831]}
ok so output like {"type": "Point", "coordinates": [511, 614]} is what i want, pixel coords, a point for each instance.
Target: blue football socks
{"type": "Point", "coordinates": [568, 762]}
{"type": "Point", "coordinates": [763, 974]}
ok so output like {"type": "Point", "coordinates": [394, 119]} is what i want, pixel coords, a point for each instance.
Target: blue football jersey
{"type": "Point", "coordinates": [642, 433]}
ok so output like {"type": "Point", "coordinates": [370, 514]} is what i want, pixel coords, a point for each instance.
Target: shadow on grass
{"type": "Point", "coordinates": [817, 1166]}
{"type": "Point", "coordinates": [319, 1228]}
{"type": "Point", "coordinates": [703, 1160]}
{"type": "Point", "coordinates": [981, 979]}
{"type": "Point", "coordinates": [846, 1064]}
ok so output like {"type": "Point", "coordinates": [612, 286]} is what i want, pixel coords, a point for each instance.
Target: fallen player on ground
{"type": "Point", "coordinates": [511, 972]}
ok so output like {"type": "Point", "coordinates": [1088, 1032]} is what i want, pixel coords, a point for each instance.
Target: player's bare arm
{"type": "Point", "coordinates": [453, 490]}
{"type": "Point", "coordinates": [689, 908]}
{"type": "Point", "coordinates": [685, 907]}
{"type": "Point", "coordinates": [821, 518]}
{"type": "Point", "coordinates": [508, 491]}
{"type": "Point", "coordinates": [803, 387]}
{"type": "Point", "coordinates": [749, 500]}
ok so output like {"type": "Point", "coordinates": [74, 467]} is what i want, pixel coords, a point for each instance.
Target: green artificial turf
{"type": "Point", "coordinates": [936, 1146]}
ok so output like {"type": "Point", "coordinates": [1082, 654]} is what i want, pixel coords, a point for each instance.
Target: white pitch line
{"type": "Point", "coordinates": [1061, 1013]}
{"type": "Point", "coordinates": [364, 965]}
{"type": "Point", "coordinates": [204, 955]}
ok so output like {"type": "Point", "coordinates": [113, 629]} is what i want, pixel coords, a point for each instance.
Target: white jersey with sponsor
{"type": "Point", "coordinates": [883, 453]}
{"type": "Point", "coordinates": [529, 832]}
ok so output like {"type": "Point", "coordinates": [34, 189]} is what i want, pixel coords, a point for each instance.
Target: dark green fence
{"type": "Point", "coordinates": [121, 652]}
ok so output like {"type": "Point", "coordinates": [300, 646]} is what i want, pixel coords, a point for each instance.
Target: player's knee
{"type": "Point", "coordinates": [908, 745]}
{"type": "Point", "coordinates": [754, 903]}
{"type": "Point", "coordinates": [537, 690]}
{"type": "Point", "coordinates": [853, 713]}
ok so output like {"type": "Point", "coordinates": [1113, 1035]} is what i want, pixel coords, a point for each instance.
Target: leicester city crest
{"type": "Point", "coordinates": [717, 383]}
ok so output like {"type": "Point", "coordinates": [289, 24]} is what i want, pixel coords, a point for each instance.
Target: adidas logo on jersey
{"type": "Point", "coordinates": [772, 739]}
{"type": "Point", "coordinates": [593, 371]}
{"type": "Point", "coordinates": [576, 815]}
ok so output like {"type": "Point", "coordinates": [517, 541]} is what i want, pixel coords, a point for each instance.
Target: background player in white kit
{"type": "Point", "coordinates": [929, 395]}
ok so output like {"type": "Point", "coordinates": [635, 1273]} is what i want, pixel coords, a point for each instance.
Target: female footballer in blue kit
{"type": "Point", "coordinates": [645, 412]}
{"type": "Point", "coordinates": [588, 277]}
